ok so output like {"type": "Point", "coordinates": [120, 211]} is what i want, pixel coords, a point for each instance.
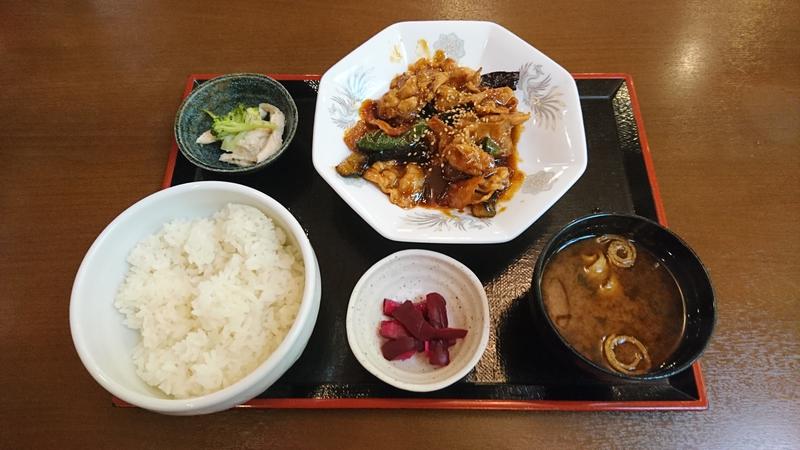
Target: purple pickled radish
{"type": "Point", "coordinates": [422, 307]}
{"type": "Point", "coordinates": [449, 334]}
{"type": "Point", "coordinates": [438, 354]}
{"type": "Point", "coordinates": [437, 310]}
{"type": "Point", "coordinates": [412, 319]}
{"type": "Point", "coordinates": [406, 355]}
{"type": "Point", "coordinates": [390, 305]}
{"type": "Point", "coordinates": [392, 329]}
{"type": "Point", "coordinates": [438, 349]}
{"type": "Point", "coordinates": [419, 327]}
{"type": "Point", "coordinates": [394, 348]}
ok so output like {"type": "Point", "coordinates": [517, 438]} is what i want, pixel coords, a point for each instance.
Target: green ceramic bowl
{"type": "Point", "coordinates": [220, 95]}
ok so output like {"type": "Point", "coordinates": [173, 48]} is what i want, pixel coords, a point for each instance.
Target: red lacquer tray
{"type": "Point", "coordinates": [513, 374]}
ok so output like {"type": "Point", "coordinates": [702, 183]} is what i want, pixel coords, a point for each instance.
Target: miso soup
{"type": "Point", "coordinates": [614, 303]}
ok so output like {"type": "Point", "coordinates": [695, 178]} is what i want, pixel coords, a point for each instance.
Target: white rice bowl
{"type": "Point", "coordinates": [108, 346]}
{"type": "Point", "coordinates": [212, 298]}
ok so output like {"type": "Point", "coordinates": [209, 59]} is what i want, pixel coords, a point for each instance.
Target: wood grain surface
{"type": "Point", "coordinates": [88, 93]}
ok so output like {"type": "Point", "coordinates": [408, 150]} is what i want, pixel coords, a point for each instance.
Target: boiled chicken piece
{"type": "Point", "coordinates": [275, 140]}
{"type": "Point", "coordinates": [468, 157]}
{"type": "Point", "coordinates": [404, 185]}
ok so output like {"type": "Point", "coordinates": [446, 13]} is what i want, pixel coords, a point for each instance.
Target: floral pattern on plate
{"type": "Point", "coordinates": [343, 108]}
{"type": "Point", "coordinates": [538, 182]}
{"type": "Point", "coordinates": [544, 100]}
{"type": "Point", "coordinates": [441, 222]}
{"type": "Point", "coordinates": [451, 45]}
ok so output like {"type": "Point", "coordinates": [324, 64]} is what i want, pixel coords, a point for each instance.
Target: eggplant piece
{"type": "Point", "coordinates": [500, 79]}
{"type": "Point", "coordinates": [449, 117]}
{"type": "Point", "coordinates": [450, 174]}
{"type": "Point", "coordinates": [428, 111]}
{"type": "Point", "coordinates": [486, 209]}
{"type": "Point", "coordinates": [353, 166]}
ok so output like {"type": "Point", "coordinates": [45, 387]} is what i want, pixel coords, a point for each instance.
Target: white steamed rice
{"type": "Point", "coordinates": [212, 299]}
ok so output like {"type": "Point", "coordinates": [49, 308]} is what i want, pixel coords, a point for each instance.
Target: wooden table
{"type": "Point", "coordinates": [89, 92]}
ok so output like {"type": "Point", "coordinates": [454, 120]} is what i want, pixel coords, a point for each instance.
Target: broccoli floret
{"type": "Point", "coordinates": [240, 119]}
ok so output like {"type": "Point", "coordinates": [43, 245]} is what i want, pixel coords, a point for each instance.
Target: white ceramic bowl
{"type": "Point", "coordinates": [410, 275]}
{"type": "Point", "coordinates": [104, 343]}
{"type": "Point", "coordinates": [552, 147]}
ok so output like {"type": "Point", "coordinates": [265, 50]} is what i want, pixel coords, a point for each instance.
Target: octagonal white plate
{"type": "Point", "coordinates": [552, 147]}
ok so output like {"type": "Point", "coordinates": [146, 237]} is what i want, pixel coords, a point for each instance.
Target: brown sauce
{"type": "Point", "coordinates": [642, 301]}
{"type": "Point", "coordinates": [437, 176]}
{"type": "Point", "coordinates": [517, 176]}
{"type": "Point", "coordinates": [465, 158]}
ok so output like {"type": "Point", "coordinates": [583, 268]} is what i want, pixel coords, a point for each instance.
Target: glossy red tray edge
{"type": "Point", "coordinates": [529, 405]}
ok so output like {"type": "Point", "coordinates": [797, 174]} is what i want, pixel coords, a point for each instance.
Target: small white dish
{"type": "Point", "coordinates": [410, 275]}
{"type": "Point", "coordinates": [552, 147]}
